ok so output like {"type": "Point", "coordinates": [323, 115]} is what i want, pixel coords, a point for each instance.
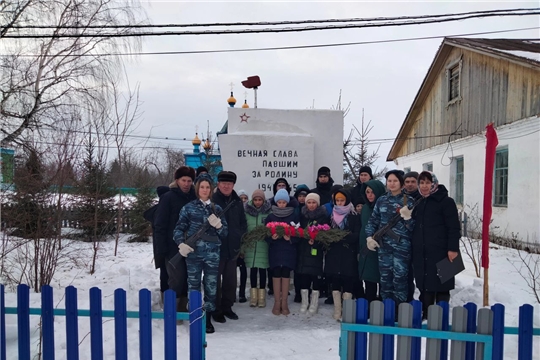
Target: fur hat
{"type": "Point", "coordinates": [226, 176]}
{"type": "Point", "coordinates": [258, 193]}
{"type": "Point", "coordinates": [397, 173]}
{"type": "Point", "coordinates": [281, 194]}
{"type": "Point", "coordinates": [314, 196]}
{"type": "Point", "coordinates": [184, 171]}
{"type": "Point", "coordinates": [366, 169]}
{"type": "Point", "coordinates": [323, 170]}
{"type": "Point", "coordinates": [413, 174]}
{"type": "Point", "coordinates": [201, 169]}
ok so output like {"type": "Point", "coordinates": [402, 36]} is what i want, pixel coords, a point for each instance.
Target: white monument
{"type": "Point", "coordinates": [262, 145]}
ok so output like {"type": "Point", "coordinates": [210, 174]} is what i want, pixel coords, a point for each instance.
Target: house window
{"type": "Point", "coordinates": [500, 197]}
{"type": "Point", "coordinates": [406, 170]}
{"type": "Point", "coordinates": [427, 166]}
{"type": "Point", "coordinates": [453, 82]}
{"type": "Point", "coordinates": [458, 180]}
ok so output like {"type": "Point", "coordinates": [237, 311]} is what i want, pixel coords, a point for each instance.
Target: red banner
{"type": "Point", "coordinates": [491, 147]}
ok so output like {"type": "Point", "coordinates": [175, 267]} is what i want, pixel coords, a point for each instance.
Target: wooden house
{"type": "Point", "coordinates": [471, 83]}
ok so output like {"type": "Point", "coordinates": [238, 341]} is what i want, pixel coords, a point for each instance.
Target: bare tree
{"type": "Point", "coordinates": [528, 267]}
{"type": "Point", "coordinates": [42, 79]}
{"type": "Point", "coordinates": [124, 118]}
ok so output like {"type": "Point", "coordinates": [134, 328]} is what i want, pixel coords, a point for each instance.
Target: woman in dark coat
{"type": "Point", "coordinates": [341, 263]}
{"type": "Point", "coordinates": [310, 254]}
{"type": "Point", "coordinates": [281, 252]}
{"type": "Point", "coordinates": [436, 236]}
{"type": "Point", "coordinates": [368, 261]}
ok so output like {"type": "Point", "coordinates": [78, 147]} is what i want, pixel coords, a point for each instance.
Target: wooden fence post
{"type": "Point", "coordinates": [470, 348]}
{"type": "Point", "coordinates": [349, 316]}
{"type": "Point", "coordinates": [498, 331]}
{"type": "Point", "coordinates": [525, 332]}
{"type": "Point", "coordinates": [47, 322]}
{"type": "Point", "coordinates": [444, 343]}
{"type": "Point", "coordinates": [459, 324]}
{"type": "Point", "coordinates": [2, 323]}
{"type": "Point", "coordinates": [120, 325]}
{"type": "Point", "coordinates": [196, 327]}
{"type": "Point", "coordinates": [96, 321]}
{"type": "Point", "coordinates": [72, 327]}
{"type": "Point", "coordinates": [23, 321]}
{"type": "Point", "coordinates": [362, 308]}
{"type": "Point", "coordinates": [389, 320]}
{"type": "Point", "coordinates": [405, 320]}
{"type": "Point", "coordinates": [433, 346]}
{"type": "Point", "coordinates": [376, 317]}
{"type": "Point", "coordinates": [484, 327]}
{"type": "Point", "coordinates": [416, 342]}
{"type": "Point", "coordinates": [170, 324]}
{"type": "Point", "coordinates": [145, 325]}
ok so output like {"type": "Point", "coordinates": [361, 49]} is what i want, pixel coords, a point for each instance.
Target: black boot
{"type": "Point", "coordinates": [209, 327]}
{"type": "Point", "coordinates": [218, 316]}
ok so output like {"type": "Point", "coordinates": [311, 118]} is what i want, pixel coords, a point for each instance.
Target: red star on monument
{"type": "Point", "coordinates": [244, 118]}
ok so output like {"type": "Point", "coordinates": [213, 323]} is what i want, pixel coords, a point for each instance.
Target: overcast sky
{"type": "Point", "coordinates": [180, 92]}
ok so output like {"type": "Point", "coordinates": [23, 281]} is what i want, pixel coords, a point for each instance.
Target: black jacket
{"type": "Point", "coordinates": [324, 191]}
{"type": "Point", "coordinates": [236, 221]}
{"type": "Point", "coordinates": [341, 257]}
{"type": "Point", "coordinates": [165, 219]}
{"type": "Point", "coordinates": [358, 193]}
{"type": "Point", "coordinates": [437, 230]}
{"type": "Point", "coordinates": [310, 257]}
{"type": "Point", "coordinates": [280, 251]}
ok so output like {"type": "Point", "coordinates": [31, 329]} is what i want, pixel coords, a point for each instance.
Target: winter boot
{"type": "Point", "coordinates": [285, 296]}
{"type": "Point", "coordinates": [304, 293]}
{"type": "Point", "coordinates": [261, 298]}
{"type": "Point", "coordinates": [276, 285]}
{"type": "Point", "coordinates": [336, 295]}
{"type": "Point", "coordinates": [209, 327]}
{"type": "Point", "coordinates": [253, 297]}
{"type": "Point", "coordinates": [314, 306]}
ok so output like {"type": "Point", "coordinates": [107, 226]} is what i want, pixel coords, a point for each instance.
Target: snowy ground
{"type": "Point", "coordinates": [257, 334]}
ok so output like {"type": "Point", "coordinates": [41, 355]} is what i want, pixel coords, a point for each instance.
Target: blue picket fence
{"type": "Point", "coordinates": [196, 318]}
{"type": "Point", "coordinates": [474, 334]}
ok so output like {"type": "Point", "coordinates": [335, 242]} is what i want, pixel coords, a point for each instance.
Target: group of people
{"type": "Point", "coordinates": [360, 265]}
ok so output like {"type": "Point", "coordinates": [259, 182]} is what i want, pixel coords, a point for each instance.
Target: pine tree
{"type": "Point", "coordinates": [30, 214]}
{"type": "Point", "coordinates": [362, 157]}
{"type": "Point", "coordinates": [144, 199]}
{"type": "Point", "coordinates": [96, 209]}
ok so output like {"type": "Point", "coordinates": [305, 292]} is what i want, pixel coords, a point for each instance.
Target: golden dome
{"type": "Point", "coordinates": [196, 140]}
{"type": "Point", "coordinates": [207, 145]}
{"type": "Point", "coordinates": [231, 100]}
{"type": "Point", "coordinates": [245, 106]}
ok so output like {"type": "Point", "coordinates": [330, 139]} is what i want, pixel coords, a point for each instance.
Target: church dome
{"type": "Point", "coordinates": [231, 100]}
{"type": "Point", "coordinates": [245, 105]}
{"type": "Point", "coordinates": [196, 140]}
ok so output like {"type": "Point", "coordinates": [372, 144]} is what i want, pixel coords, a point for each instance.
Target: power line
{"type": "Point", "coordinates": [293, 47]}
{"type": "Point", "coordinates": [266, 30]}
{"type": "Point", "coordinates": [271, 23]}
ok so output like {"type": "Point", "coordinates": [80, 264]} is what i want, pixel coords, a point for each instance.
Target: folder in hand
{"type": "Point", "coordinates": [446, 270]}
